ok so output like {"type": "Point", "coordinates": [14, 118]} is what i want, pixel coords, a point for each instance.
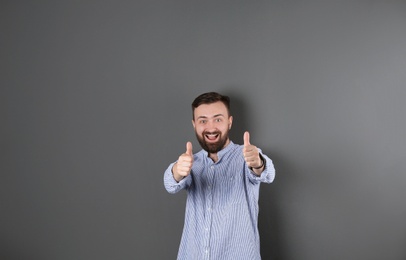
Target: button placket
{"type": "Point", "coordinates": [209, 211]}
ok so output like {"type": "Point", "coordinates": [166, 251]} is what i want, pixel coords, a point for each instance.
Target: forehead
{"type": "Point", "coordinates": [210, 110]}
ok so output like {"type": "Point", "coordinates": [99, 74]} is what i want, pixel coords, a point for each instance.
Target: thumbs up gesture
{"type": "Point", "coordinates": [251, 154]}
{"type": "Point", "coordinates": [184, 164]}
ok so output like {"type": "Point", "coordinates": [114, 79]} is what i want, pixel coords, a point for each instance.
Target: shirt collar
{"type": "Point", "coordinates": [222, 152]}
{"type": "Point", "coordinates": [225, 150]}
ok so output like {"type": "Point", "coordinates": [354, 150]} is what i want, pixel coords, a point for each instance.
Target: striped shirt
{"type": "Point", "coordinates": [221, 218]}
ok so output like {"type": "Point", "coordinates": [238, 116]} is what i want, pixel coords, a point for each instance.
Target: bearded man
{"type": "Point", "coordinates": [222, 182]}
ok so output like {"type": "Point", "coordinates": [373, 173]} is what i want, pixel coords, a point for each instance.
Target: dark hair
{"type": "Point", "coordinates": [209, 98]}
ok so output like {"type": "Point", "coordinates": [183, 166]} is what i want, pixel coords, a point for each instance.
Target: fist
{"type": "Point", "coordinates": [184, 164]}
{"type": "Point", "coordinates": [251, 153]}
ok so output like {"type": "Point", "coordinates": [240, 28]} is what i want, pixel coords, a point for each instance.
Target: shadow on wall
{"type": "Point", "coordinates": [270, 221]}
{"type": "Point", "coordinates": [240, 118]}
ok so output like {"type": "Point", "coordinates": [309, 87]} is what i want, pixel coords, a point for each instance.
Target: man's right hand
{"type": "Point", "coordinates": [182, 167]}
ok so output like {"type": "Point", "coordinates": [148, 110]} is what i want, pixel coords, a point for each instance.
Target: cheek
{"type": "Point", "coordinates": [199, 130]}
{"type": "Point", "coordinates": [225, 129]}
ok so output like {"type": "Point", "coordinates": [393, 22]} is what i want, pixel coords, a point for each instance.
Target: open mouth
{"type": "Point", "coordinates": [212, 137]}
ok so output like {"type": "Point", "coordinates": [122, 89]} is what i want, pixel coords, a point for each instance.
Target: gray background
{"type": "Point", "coordinates": [95, 103]}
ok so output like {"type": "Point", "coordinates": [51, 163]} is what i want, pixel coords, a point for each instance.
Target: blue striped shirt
{"type": "Point", "coordinates": [221, 218]}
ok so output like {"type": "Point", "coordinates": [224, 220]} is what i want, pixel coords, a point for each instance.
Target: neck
{"type": "Point", "coordinates": [214, 156]}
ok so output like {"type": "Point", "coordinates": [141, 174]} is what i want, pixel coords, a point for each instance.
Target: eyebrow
{"type": "Point", "coordinates": [218, 115]}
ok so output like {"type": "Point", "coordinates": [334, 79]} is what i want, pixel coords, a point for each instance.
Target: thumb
{"type": "Point", "coordinates": [246, 138]}
{"type": "Point", "coordinates": [189, 148]}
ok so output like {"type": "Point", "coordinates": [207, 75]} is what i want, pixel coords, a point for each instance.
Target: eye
{"type": "Point", "coordinates": [203, 121]}
{"type": "Point", "coordinates": [218, 120]}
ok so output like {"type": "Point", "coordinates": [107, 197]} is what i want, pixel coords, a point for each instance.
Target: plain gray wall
{"type": "Point", "coordinates": [95, 103]}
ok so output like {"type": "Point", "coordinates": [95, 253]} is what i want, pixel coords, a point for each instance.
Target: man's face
{"type": "Point", "coordinates": [212, 123]}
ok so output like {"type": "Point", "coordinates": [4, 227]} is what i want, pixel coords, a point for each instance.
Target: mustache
{"type": "Point", "coordinates": [211, 133]}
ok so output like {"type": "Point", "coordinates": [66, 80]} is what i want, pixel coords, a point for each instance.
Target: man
{"type": "Point", "coordinates": [222, 183]}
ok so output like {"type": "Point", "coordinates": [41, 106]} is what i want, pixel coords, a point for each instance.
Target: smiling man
{"type": "Point", "coordinates": [222, 183]}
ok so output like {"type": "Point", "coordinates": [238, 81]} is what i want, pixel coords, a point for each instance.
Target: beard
{"type": "Point", "coordinates": [212, 147]}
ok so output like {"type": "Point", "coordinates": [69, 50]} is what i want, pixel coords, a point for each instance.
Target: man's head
{"type": "Point", "coordinates": [212, 121]}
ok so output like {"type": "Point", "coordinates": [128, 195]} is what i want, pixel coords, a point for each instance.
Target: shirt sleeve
{"type": "Point", "coordinates": [267, 176]}
{"type": "Point", "coordinates": [171, 185]}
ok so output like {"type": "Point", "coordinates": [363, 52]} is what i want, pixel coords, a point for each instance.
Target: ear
{"type": "Point", "coordinates": [230, 122]}
{"type": "Point", "coordinates": [193, 123]}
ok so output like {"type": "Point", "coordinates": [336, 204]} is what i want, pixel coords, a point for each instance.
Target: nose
{"type": "Point", "coordinates": [211, 126]}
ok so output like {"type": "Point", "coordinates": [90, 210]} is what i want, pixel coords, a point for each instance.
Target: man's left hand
{"type": "Point", "coordinates": [251, 153]}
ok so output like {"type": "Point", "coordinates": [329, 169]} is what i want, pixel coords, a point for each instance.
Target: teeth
{"type": "Point", "coordinates": [211, 136]}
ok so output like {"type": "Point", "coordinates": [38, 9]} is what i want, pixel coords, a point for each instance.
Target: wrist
{"type": "Point", "coordinates": [258, 170]}
{"type": "Point", "coordinates": [262, 163]}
